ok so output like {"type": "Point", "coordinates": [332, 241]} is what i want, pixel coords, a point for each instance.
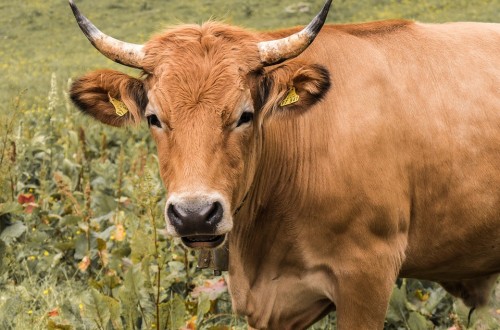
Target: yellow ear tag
{"type": "Point", "coordinates": [120, 107]}
{"type": "Point", "coordinates": [291, 98]}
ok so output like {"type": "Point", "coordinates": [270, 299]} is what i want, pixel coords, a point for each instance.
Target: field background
{"type": "Point", "coordinates": [82, 244]}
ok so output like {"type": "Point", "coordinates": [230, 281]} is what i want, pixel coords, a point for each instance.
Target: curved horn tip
{"type": "Point", "coordinates": [319, 20]}
{"type": "Point", "coordinates": [121, 52]}
{"type": "Point", "coordinates": [72, 5]}
{"type": "Point", "coordinates": [276, 51]}
{"type": "Point", "coordinates": [74, 8]}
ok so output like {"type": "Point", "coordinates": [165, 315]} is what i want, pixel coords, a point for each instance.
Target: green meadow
{"type": "Point", "coordinates": [82, 240]}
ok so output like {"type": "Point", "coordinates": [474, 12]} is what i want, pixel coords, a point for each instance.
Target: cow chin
{"type": "Point", "coordinates": [201, 220]}
{"type": "Point", "coordinates": [203, 241]}
{"type": "Point", "coordinates": [198, 241]}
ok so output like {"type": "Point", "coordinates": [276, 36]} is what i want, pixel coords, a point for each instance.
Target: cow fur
{"type": "Point", "coordinates": [388, 166]}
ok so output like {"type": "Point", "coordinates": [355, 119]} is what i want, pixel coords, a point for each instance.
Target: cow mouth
{"type": "Point", "coordinates": [203, 241]}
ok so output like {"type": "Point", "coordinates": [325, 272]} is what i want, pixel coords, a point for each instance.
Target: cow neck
{"type": "Point", "coordinates": [264, 226]}
{"type": "Point", "coordinates": [242, 202]}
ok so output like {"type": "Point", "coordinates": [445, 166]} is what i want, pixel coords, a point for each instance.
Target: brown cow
{"type": "Point", "coordinates": [330, 170]}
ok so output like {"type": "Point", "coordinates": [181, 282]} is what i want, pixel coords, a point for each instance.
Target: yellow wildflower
{"type": "Point", "coordinates": [120, 232]}
{"type": "Point", "coordinates": [422, 295]}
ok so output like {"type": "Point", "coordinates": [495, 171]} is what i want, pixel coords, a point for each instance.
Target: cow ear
{"type": "Point", "coordinates": [111, 97]}
{"type": "Point", "coordinates": [295, 87]}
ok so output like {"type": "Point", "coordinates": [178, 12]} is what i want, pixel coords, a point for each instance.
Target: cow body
{"type": "Point", "coordinates": [387, 165]}
{"type": "Point", "coordinates": [396, 172]}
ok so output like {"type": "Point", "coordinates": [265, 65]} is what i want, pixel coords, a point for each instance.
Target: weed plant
{"type": "Point", "coordinates": [82, 239]}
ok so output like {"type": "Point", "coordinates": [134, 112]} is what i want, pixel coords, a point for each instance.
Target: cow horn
{"type": "Point", "coordinates": [121, 52]}
{"type": "Point", "coordinates": [277, 51]}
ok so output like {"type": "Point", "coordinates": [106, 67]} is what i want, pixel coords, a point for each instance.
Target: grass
{"type": "Point", "coordinates": [82, 244]}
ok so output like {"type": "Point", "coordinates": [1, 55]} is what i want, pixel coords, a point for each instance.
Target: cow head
{"type": "Point", "coordinates": [205, 93]}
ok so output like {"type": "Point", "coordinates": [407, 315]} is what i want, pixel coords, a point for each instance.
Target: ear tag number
{"type": "Point", "coordinates": [120, 107]}
{"type": "Point", "coordinates": [291, 98]}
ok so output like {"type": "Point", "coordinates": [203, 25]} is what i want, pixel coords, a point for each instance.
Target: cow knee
{"type": "Point", "coordinates": [474, 293]}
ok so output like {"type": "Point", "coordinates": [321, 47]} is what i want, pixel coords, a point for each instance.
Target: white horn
{"type": "Point", "coordinates": [277, 51]}
{"type": "Point", "coordinates": [121, 52]}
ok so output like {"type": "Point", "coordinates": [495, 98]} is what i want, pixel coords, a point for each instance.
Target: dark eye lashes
{"type": "Point", "coordinates": [153, 120]}
{"type": "Point", "coordinates": [245, 118]}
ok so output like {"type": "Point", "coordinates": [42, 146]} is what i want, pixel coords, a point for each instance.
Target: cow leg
{"type": "Point", "coordinates": [474, 292]}
{"type": "Point", "coordinates": [362, 300]}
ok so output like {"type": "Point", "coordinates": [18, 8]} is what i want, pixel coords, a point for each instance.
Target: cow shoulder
{"type": "Point", "coordinates": [294, 86]}
{"type": "Point", "coordinates": [111, 97]}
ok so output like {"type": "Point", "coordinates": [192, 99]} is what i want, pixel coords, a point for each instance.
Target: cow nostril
{"type": "Point", "coordinates": [215, 212]}
{"type": "Point", "coordinates": [211, 213]}
{"type": "Point", "coordinates": [174, 215]}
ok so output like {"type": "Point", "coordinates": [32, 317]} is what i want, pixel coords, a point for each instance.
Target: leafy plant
{"type": "Point", "coordinates": [82, 239]}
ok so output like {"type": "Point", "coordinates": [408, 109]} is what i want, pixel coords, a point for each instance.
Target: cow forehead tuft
{"type": "Point", "coordinates": [194, 43]}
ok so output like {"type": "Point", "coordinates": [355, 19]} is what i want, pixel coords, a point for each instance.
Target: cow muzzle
{"type": "Point", "coordinates": [201, 222]}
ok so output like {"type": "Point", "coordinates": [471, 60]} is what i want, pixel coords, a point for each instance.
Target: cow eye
{"type": "Point", "coordinates": [153, 121]}
{"type": "Point", "coordinates": [245, 118]}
